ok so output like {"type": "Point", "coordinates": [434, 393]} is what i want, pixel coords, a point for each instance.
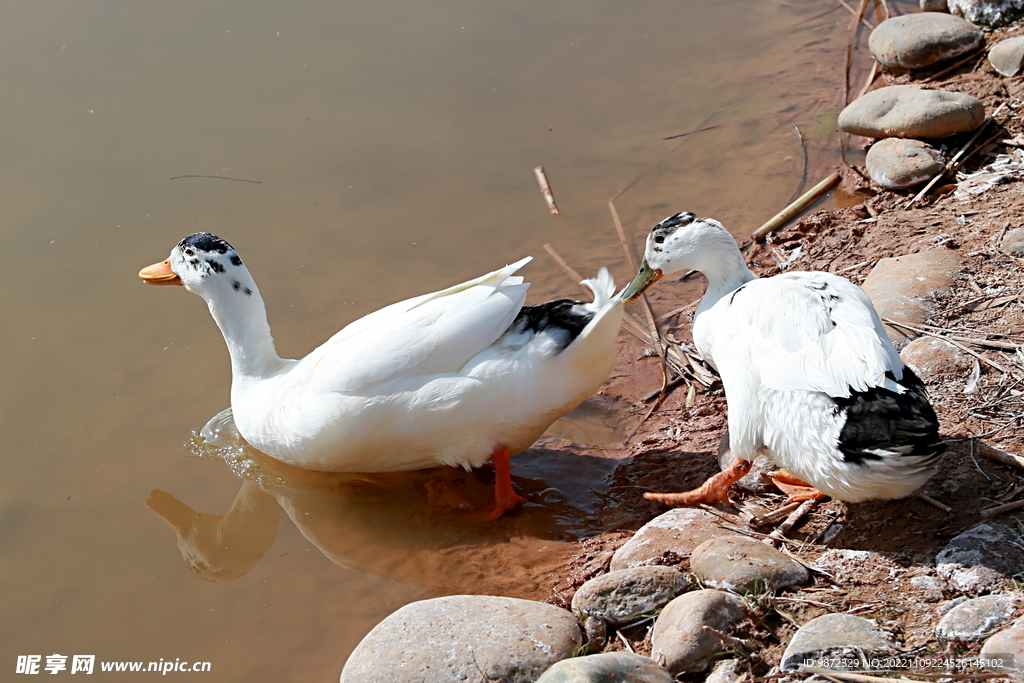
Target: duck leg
{"type": "Point", "coordinates": [796, 489]}
{"type": "Point", "coordinates": [714, 490]}
{"type": "Point", "coordinates": [505, 497]}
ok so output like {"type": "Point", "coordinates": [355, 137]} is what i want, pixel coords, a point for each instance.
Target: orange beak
{"type": "Point", "coordinates": [159, 274]}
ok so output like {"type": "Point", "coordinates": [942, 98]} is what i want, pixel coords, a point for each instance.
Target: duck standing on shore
{"type": "Point", "coordinates": [455, 377]}
{"type": "Point", "coordinates": [810, 376]}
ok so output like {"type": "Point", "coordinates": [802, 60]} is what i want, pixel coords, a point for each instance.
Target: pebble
{"type": "Point", "coordinates": [622, 596]}
{"type": "Point", "coordinates": [987, 12]}
{"type": "Point", "coordinates": [675, 533]}
{"type": "Point", "coordinates": [973, 620]}
{"type": "Point", "coordinates": [606, 668]}
{"type": "Point", "coordinates": [1013, 241]}
{"type": "Point", "coordinates": [901, 288]}
{"type": "Point", "coordinates": [927, 582]}
{"type": "Point", "coordinates": [741, 564]}
{"type": "Point", "coordinates": [465, 637]}
{"type": "Point", "coordinates": [725, 671]}
{"type": "Point", "coordinates": [679, 641]}
{"type": "Point", "coordinates": [842, 636]}
{"type": "Point", "coordinates": [980, 559]}
{"type": "Point", "coordinates": [1006, 56]}
{"type": "Point", "coordinates": [913, 41]}
{"type": "Point", "coordinates": [928, 357]}
{"type": "Point", "coordinates": [1007, 642]}
{"type": "Point", "coordinates": [905, 111]}
{"type": "Point", "coordinates": [896, 163]}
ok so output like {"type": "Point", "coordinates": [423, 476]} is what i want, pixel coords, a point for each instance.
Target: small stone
{"type": "Point", "coordinates": [913, 41]}
{"type": "Point", "coordinates": [928, 357]}
{"type": "Point", "coordinates": [981, 559]}
{"type": "Point", "coordinates": [679, 641]}
{"type": "Point", "coordinates": [1013, 241]}
{"type": "Point", "coordinates": [464, 637]}
{"type": "Point", "coordinates": [725, 671]}
{"type": "Point", "coordinates": [606, 668]}
{"type": "Point", "coordinates": [1007, 56]}
{"type": "Point", "coordinates": [901, 288]}
{"type": "Point", "coordinates": [934, 6]}
{"type": "Point", "coordinates": [973, 620]}
{"type": "Point", "coordinates": [987, 12]}
{"type": "Point", "coordinates": [895, 163]}
{"type": "Point", "coordinates": [927, 582]}
{"type": "Point", "coordinates": [676, 533]}
{"type": "Point", "coordinates": [596, 631]}
{"type": "Point", "coordinates": [742, 564]}
{"type": "Point", "coordinates": [835, 636]}
{"type": "Point", "coordinates": [622, 596]}
{"type": "Point", "coordinates": [1007, 642]}
{"type": "Point", "coordinates": [905, 111]}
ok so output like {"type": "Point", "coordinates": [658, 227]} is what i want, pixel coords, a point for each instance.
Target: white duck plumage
{"type": "Point", "coordinates": [810, 375]}
{"type": "Point", "coordinates": [447, 378]}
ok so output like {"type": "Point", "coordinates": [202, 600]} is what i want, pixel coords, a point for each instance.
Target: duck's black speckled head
{"type": "Point", "coordinates": [202, 262]}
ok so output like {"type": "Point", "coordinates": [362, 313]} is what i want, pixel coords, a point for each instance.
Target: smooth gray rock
{"type": "Point", "coordinates": [675, 532]}
{"type": "Point", "coordinates": [464, 637]}
{"type": "Point", "coordinates": [1013, 241]}
{"type": "Point", "coordinates": [987, 12]}
{"type": "Point", "coordinates": [679, 641]}
{"type": "Point", "coordinates": [742, 564]}
{"type": "Point", "coordinates": [1009, 641]}
{"type": "Point", "coordinates": [901, 288]}
{"type": "Point", "coordinates": [913, 41]}
{"type": "Point", "coordinates": [973, 620]}
{"type": "Point", "coordinates": [906, 111]}
{"type": "Point", "coordinates": [610, 667]}
{"type": "Point", "coordinates": [896, 163]}
{"type": "Point", "coordinates": [927, 582]}
{"type": "Point", "coordinates": [1007, 56]}
{"type": "Point", "coordinates": [725, 671]}
{"type": "Point", "coordinates": [980, 559]}
{"type": "Point", "coordinates": [838, 636]}
{"type": "Point", "coordinates": [928, 357]}
{"type": "Point", "coordinates": [622, 596]}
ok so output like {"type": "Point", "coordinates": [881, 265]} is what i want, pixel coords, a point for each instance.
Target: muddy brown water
{"type": "Point", "coordinates": [368, 152]}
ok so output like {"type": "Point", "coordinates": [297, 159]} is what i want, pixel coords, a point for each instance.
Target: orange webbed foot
{"type": "Point", "coordinates": [505, 497]}
{"type": "Point", "coordinates": [714, 490]}
{"type": "Point", "coordinates": [797, 490]}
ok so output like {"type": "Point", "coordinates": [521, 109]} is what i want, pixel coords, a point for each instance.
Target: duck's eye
{"type": "Point", "coordinates": [189, 252]}
{"type": "Point", "coordinates": [659, 238]}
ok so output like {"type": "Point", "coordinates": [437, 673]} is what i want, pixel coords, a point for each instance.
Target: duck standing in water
{"type": "Point", "coordinates": [810, 376]}
{"type": "Point", "coordinates": [456, 377]}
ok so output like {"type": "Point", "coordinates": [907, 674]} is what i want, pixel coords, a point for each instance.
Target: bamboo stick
{"type": "Point", "coordinates": [791, 211]}
{"type": "Point", "coordinates": [545, 189]}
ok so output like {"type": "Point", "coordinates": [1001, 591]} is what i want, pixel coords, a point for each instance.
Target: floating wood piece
{"type": "Point", "coordinates": [545, 189]}
{"type": "Point", "coordinates": [791, 211]}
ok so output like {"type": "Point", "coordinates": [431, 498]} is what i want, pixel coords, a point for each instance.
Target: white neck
{"type": "Point", "coordinates": [725, 270]}
{"type": "Point", "coordinates": [243, 322]}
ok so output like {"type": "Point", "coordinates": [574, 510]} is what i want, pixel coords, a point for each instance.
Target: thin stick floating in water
{"type": "Point", "coordinates": [545, 189]}
{"type": "Point", "coordinates": [219, 177]}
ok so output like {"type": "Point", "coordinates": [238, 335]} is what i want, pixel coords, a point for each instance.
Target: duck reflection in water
{"type": "Point", "coordinates": [417, 528]}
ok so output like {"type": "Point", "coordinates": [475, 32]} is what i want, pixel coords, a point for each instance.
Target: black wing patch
{"type": "Point", "coordinates": [882, 420]}
{"type": "Point", "coordinates": [562, 315]}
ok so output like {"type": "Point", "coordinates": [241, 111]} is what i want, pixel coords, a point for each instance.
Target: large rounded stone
{"type": "Point", "coordinates": [742, 564]}
{"type": "Point", "coordinates": [1013, 242]}
{"type": "Point", "coordinates": [912, 41]}
{"type": "Point", "coordinates": [987, 12]}
{"type": "Point", "coordinates": [609, 667]}
{"type": "Point", "coordinates": [901, 288]}
{"type": "Point", "coordinates": [980, 559]}
{"type": "Point", "coordinates": [1007, 56]}
{"type": "Point", "coordinates": [675, 533]}
{"type": "Point", "coordinates": [835, 637]}
{"type": "Point", "coordinates": [679, 640]}
{"type": "Point", "coordinates": [905, 111]}
{"type": "Point", "coordinates": [896, 163]}
{"type": "Point", "coordinates": [1007, 642]}
{"type": "Point", "coordinates": [929, 357]}
{"type": "Point", "coordinates": [974, 620]}
{"type": "Point", "coordinates": [464, 637]}
{"type": "Point", "coordinates": [622, 596]}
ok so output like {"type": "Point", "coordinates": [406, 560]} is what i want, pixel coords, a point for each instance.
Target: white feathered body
{"type": "Point", "coordinates": [442, 378]}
